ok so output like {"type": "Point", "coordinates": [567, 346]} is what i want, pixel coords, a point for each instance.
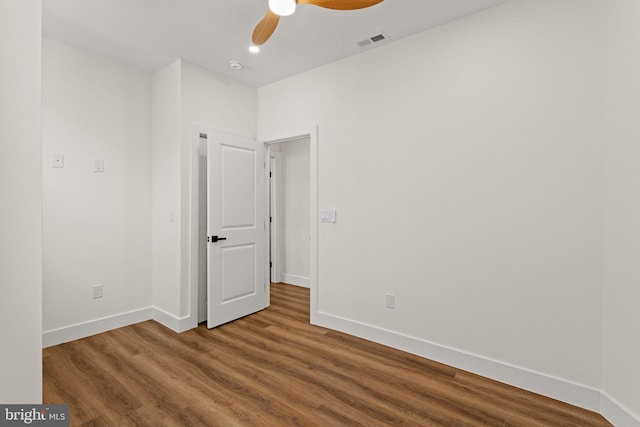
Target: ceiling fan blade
{"type": "Point", "coordinates": [265, 28]}
{"type": "Point", "coordinates": [342, 4]}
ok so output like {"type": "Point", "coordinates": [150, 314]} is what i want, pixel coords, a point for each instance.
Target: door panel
{"type": "Point", "coordinates": [236, 279]}
{"type": "Point", "coordinates": [238, 187]}
{"type": "Point", "coordinates": [238, 272]}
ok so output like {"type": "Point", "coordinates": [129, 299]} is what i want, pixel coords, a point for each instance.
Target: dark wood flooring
{"type": "Point", "coordinates": [274, 369]}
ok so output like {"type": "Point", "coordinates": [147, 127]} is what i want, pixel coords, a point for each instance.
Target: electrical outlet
{"type": "Point", "coordinates": [390, 301]}
{"type": "Point", "coordinates": [97, 291]}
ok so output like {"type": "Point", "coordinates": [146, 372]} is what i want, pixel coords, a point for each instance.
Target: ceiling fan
{"type": "Point", "coordinates": [278, 8]}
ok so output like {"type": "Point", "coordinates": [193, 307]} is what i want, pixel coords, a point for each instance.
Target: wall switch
{"type": "Point", "coordinates": [390, 301]}
{"type": "Point", "coordinates": [98, 166]}
{"type": "Point", "coordinates": [57, 161]}
{"type": "Point", "coordinates": [97, 291]}
{"type": "Point", "coordinates": [328, 215]}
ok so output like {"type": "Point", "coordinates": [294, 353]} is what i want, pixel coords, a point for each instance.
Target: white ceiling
{"type": "Point", "coordinates": [151, 34]}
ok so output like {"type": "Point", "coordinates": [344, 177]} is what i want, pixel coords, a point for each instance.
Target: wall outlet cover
{"type": "Point", "coordinates": [390, 301]}
{"type": "Point", "coordinates": [97, 291]}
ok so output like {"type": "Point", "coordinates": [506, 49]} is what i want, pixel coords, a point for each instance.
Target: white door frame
{"type": "Point", "coordinates": [197, 133]}
{"type": "Point", "coordinates": [191, 321]}
{"type": "Point", "coordinates": [201, 208]}
{"type": "Point", "coordinates": [312, 134]}
{"type": "Point", "coordinates": [274, 205]}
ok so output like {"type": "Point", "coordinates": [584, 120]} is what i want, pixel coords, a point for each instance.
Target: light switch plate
{"type": "Point", "coordinates": [98, 166]}
{"type": "Point", "coordinates": [328, 215]}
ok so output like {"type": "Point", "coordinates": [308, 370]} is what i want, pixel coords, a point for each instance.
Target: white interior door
{"type": "Point", "coordinates": [236, 228]}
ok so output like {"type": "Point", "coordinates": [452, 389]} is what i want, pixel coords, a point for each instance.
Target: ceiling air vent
{"type": "Point", "coordinates": [372, 40]}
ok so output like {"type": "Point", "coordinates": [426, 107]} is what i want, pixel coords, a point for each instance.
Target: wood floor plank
{"type": "Point", "coordinates": [310, 376]}
{"type": "Point", "coordinates": [275, 369]}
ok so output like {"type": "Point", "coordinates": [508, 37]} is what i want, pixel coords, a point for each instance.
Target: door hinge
{"type": "Point", "coordinates": [270, 175]}
{"type": "Point", "coordinates": [270, 219]}
{"type": "Point", "coordinates": [270, 264]}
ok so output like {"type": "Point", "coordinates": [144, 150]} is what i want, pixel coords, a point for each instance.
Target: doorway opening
{"type": "Point", "coordinates": [289, 205]}
{"type": "Point", "coordinates": [198, 217]}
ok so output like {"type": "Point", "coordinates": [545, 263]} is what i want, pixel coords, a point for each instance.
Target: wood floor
{"type": "Point", "coordinates": [274, 369]}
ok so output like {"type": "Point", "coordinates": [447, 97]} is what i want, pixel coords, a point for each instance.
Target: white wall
{"type": "Point", "coordinates": [96, 226]}
{"type": "Point", "coordinates": [20, 211]}
{"type": "Point", "coordinates": [478, 165]}
{"type": "Point", "coordinates": [294, 164]}
{"type": "Point", "coordinates": [184, 94]}
{"type": "Point", "coordinates": [465, 164]}
{"type": "Point", "coordinates": [621, 346]}
{"type": "Point", "coordinates": [212, 101]}
{"type": "Point", "coordinates": [129, 227]}
{"type": "Point", "coordinates": [165, 184]}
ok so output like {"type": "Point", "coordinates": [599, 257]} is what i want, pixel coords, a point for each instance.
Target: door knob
{"type": "Point", "coordinates": [214, 239]}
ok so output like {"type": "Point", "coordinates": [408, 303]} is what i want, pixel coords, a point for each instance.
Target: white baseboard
{"type": "Point", "coordinates": [556, 388]}
{"type": "Point", "coordinates": [93, 327]}
{"type": "Point", "coordinates": [616, 413]}
{"type": "Point", "coordinates": [293, 279]}
{"type": "Point", "coordinates": [98, 326]}
{"type": "Point", "coordinates": [177, 324]}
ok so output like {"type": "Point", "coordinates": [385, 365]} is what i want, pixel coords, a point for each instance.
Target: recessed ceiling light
{"type": "Point", "coordinates": [254, 49]}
